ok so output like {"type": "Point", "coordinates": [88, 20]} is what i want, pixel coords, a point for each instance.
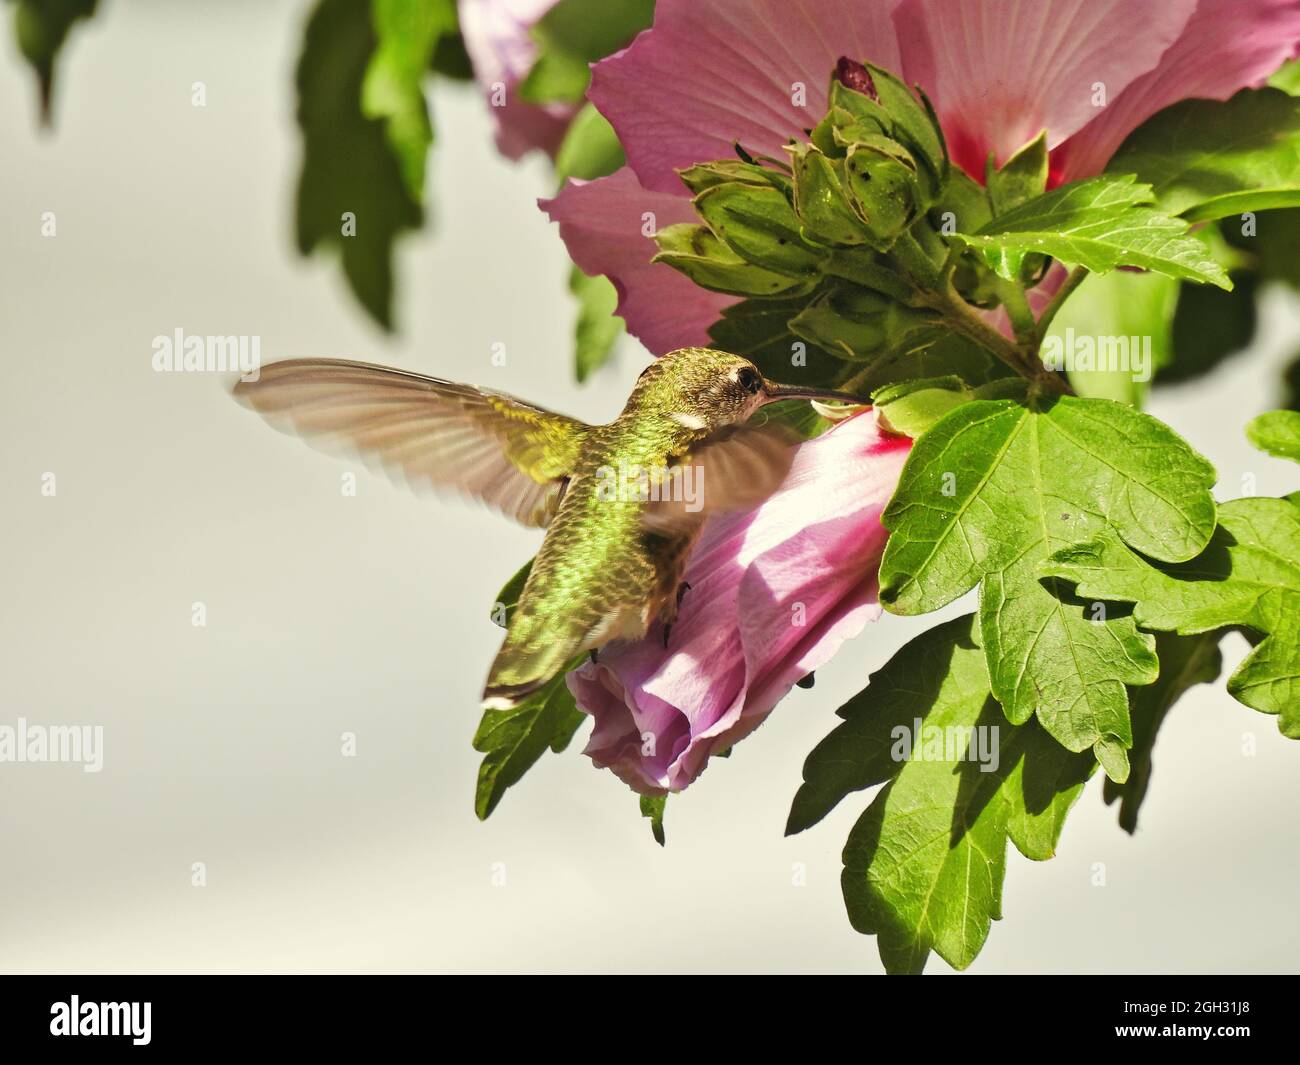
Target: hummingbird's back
{"type": "Point", "coordinates": [600, 574]}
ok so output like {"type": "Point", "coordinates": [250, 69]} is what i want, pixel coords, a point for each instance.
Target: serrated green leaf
{"type": "Point", "coordinates": [923, 866]}
{"type": "Point", "coordinates": [348, 164]}
{"type": "Point", "coordinates": [512, 740]}
{"type": "Point", "coordinates": [1185, 661]}
{"type": "Point", "coordinates": [1248, 575]}
{"type": "Point", "coordinates": [652, 807]}
{"type": "Point", "coordinates": [1207, 159]}
{"type": "Point", "coordinates": [1099, 223]}
{"type": "Point", "coordinates": [992, 490]}
{"type": "Point", "coordinates": [1277, 433]}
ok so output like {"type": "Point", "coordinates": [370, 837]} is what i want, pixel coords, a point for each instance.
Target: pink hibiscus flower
{"type": "Point", "coordinates": [773, 594]}
{"type": "Point", "coordinates": [998, 71]}
{"type": "Point", "coordinates": [498, 38]}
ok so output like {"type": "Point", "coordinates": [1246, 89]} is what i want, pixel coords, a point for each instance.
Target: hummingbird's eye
{"type": "Point", "coordinates": [749, 380]}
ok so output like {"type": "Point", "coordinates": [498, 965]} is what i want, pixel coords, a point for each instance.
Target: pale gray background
{"type": "Point", "coordinates": [328, 614]}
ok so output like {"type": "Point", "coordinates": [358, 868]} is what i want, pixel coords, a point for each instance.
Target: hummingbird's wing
{"type": "Point", "coordinates": [510, 455]}
{"type": "Point", "coordinates": [736, 469]}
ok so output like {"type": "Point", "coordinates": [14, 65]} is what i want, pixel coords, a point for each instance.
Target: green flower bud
{"type": "Point", "coordinates": [758, 224]}
{"type": "Point", "coordinates": [859, 324]}
{"type": "Point", "coordinates": [698, 253]}
{"type": "Point", "coordinates": [883, 192]}
{"type": "Point", "coordinates": [704, 176]}
{"type": "Point", "coordinates": [821, 201]}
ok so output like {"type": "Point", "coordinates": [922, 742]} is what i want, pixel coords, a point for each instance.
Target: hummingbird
{"type": "Point", "coordinates": [622, 503]}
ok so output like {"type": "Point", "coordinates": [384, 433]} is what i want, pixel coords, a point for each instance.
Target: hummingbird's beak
{"type": "Point", "coordinates": [777, 392]}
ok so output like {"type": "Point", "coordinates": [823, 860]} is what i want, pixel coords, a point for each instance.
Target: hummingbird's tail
{"type": "Point", "coordinates": [521, 668]}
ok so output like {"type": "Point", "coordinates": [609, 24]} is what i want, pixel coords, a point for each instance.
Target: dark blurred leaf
{"type": "Point", "coordinates": [597, 328]}
{"type": "Point", "coordinates": [41, 27]}
{"type": "Point", "coordinates": [574, 34]}
{"type": "Point", "coordinates": [1272, 237]}
{"type": "Point", "coordinates": [450, 58]}
{"type": "Point", "coordinates": [1291, 385]}
{"type": "Point", "coordinates": [759, 329]}
{"type": "Point", "coordinates": [392, 88]}
{"type": "Point", "coordinates": [348, 165]}
{"type": "Point", "coordinates": [1210, 325]}
{"type": "Point", "coordinates": [593, 29]}
{"type": "Point", "coordinates": [1185, 661]}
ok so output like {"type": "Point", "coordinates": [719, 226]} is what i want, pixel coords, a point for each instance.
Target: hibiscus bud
{"type": "Point", "coordinates": [698, 253]}
{"type": "Point", "coordinates": [883, 191]}
{"type": "Point", "coordinates": [821, 201]}
{"type": "Point", "coordinates": [759, 224]}
{"type": "Point", "coordinates": [859, 323]}
{"type": "Point", "coordinates": [854, 75]}
{"type": "Point", "coordinates": [704, 176]}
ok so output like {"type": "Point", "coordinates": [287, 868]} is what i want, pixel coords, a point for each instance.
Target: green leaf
{"type": "Point", "coordinates": [913, 407]}
{"type": "Point", "coordinates": [1185, 661]}
{"type": "Point", "coordinates": [391, 89]}
{"type": "Point", "coordinates": [556, 77]}
{"type": "Point", "coordinates": [924, 865]}
{"type": "Point", "coordinates": [348, 164]}
{"type": "Point", "coordinates": [1209, 326]}
{"type": "Point", "coordinates": [1021, 179]}
{"type": "Point", "coordinates": [597, 328]}
{"type": "Point", "coordinates": [590, 148]}
{"type": "Point", "coordinates": [511, 741]}
{"type": "Point", "coordinates": [759, 329]}
{"type": "Point", "coordinates": [1277, 433]}
{"type": "Point", "coordinates": [42, 27]}
{"type": "Point", "coordinates": [1099, 223]}
{"type": "Point", "coordinates": [1114, 332]}
{"type": "Point", "coordinates": [1210, 158]}
{"type": "Point", "coordinates": [508, 598]}
{"type": "Point", "coordinates": [1287, 77]}
{"type": "Point", "coordinates": [993, 489]}
{"type": "Point", "coordinates": [1248, 575]}
{"type": "Point", "coordinates": [653, 808]}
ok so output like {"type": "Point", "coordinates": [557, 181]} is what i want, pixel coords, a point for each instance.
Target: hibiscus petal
{"type": "Point", "coordinates": [602, 223]}
{"type": "Point", "coordinates": [774, 593]}
{"type": "Point", "coordinates": [709, 74]}
{"type": "Point", "coordinates": [1001, 73]}
{"type": "Point", "coordinates": [498, 38]}
{"type": "Point", "coordinates": [1227, 45]}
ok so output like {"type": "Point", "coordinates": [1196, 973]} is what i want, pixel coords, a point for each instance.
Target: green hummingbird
{"type": "Point", "coordinates": [622, 503]}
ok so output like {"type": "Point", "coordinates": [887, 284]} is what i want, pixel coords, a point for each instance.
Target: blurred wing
{"type": "Point", "coordinates": [512, 456]}
{"type": "Point", "coordinates": [736, 470]}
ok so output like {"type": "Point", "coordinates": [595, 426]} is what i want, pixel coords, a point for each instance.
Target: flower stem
{"type": "Point", "coordinates": [1072, 282]}
{"type": "Point", "coordinates": [962, 318]}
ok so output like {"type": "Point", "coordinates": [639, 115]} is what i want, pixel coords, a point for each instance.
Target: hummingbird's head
{"type": "Point", "coordinates": [704, 389]}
